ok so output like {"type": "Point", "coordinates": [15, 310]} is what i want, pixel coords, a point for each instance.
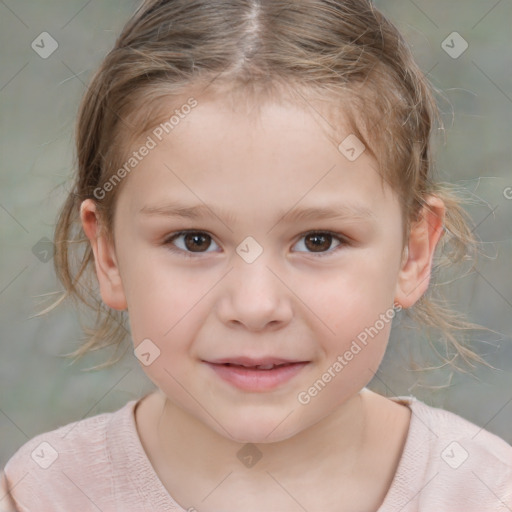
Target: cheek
{"type": "Point", "coordinates": [160, 295]}
{"type": "Point", "coordinates": [168, 307]}
{"type": "Point", "coordinates": [357, 306]}
{"type": "Point", "coordinates": [349, 367]}
{"type": "Point", "coordinates": [354, 297]}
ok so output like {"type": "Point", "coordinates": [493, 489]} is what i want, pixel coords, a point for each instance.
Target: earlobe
{"type": "Point", "coordinates": [105, 261]}
{"type": "Point", "coordinates": [416, 268]}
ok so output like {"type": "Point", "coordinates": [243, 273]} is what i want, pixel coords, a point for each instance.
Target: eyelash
{"type": "Point", "coordinates": [186, 254]}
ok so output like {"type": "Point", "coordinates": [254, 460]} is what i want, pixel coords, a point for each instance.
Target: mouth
{"type": "Point", "coordinates": [256, 375]}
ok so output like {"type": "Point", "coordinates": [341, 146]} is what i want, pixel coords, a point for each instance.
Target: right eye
{"type": "Point", "coordinates": [187, 243]}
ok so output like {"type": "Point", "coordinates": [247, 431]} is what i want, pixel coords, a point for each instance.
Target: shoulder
{"type": "Point", "coordinates": [448, 463]}
{"type": "Point", "coordinates": [459, 439]}
{"type": "Point", "coordinates": [6, 503]}
{"type": "Point", "coordinates": [62, 462]}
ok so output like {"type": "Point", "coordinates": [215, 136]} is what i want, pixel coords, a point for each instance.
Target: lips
{"type": "Point", "coordinates": [264, 363]}
{"type": "Point", "coordinates": [256, 374]}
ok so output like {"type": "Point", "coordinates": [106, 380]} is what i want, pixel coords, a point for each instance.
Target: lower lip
{"type": "Point", "coordinates": [256, 380]}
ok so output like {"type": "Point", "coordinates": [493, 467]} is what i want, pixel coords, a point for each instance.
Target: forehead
{"type": "Point", "coordinates": [240, 115]}
{"type": "Point", "coordinates": [333, 112]}
{"type": "Point", "coordinates": [248, 161]}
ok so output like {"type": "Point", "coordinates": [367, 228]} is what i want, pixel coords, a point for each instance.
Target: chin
{"type": "Point", "coordinates": [259, 430]}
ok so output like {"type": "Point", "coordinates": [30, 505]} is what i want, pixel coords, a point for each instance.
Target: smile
{"type": "Point", "coordinates": [260, 377]}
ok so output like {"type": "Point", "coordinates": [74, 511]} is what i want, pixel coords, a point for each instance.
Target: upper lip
{"type": "Point", "coordinates": [257, 361]}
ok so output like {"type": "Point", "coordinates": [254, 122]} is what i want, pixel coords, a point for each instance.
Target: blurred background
{"type": "Point", "coordinates": [40, 87]}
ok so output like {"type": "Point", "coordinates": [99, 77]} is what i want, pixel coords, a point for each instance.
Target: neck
{"type": "Point", "coordinates": [185, 441]}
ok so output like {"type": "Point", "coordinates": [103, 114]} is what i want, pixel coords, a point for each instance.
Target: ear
{"type": "Point", "coordinates": [107, 270]}
{"type": "Point", "coordinates": [415, 271]}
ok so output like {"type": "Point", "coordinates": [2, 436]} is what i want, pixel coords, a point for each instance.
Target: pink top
{"type": "Point", "coordinates": [448, 464]}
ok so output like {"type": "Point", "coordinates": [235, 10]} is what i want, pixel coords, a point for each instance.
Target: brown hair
{"type": "Point", "coordinates": [342, 52]}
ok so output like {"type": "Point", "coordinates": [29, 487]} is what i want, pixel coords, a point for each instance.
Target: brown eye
{"type": "Point", "coordinates": [320, 242]}
{"type": "Point", "coordinates": [198, 241]}
{"type": "Point", "coordinates": [188, 242]}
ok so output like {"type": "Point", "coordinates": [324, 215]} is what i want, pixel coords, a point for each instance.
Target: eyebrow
{"type": "Point", "coordinates": [201, 211]}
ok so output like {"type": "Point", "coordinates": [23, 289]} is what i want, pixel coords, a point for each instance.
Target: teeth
{"type": "Point", "coordinates": [258, 367]}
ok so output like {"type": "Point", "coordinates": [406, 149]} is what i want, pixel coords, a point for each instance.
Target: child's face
{"type": "Point", "coordinates": [287, 303]}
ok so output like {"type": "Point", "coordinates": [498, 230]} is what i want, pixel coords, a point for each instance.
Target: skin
{"type": "Point", "coordinates": [290, 302]}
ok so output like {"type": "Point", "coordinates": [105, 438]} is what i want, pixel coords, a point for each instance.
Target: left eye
{"type": "Point", "coordinates": [319, 242]}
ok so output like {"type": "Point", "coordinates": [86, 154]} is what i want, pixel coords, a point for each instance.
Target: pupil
{"type": "Point", "coordinates": [195, 239]}
{"type": "Point", "coordinates": [320, 242]}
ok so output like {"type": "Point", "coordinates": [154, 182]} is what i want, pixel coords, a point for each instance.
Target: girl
{"type": "Point", "coordinates": [255, 185]}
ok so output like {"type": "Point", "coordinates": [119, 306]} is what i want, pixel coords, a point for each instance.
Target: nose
{"type": "Point", "coordinates": [254, 297]}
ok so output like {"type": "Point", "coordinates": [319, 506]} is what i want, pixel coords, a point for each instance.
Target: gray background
{"type": "Point", "coordinates": [38, 101]}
